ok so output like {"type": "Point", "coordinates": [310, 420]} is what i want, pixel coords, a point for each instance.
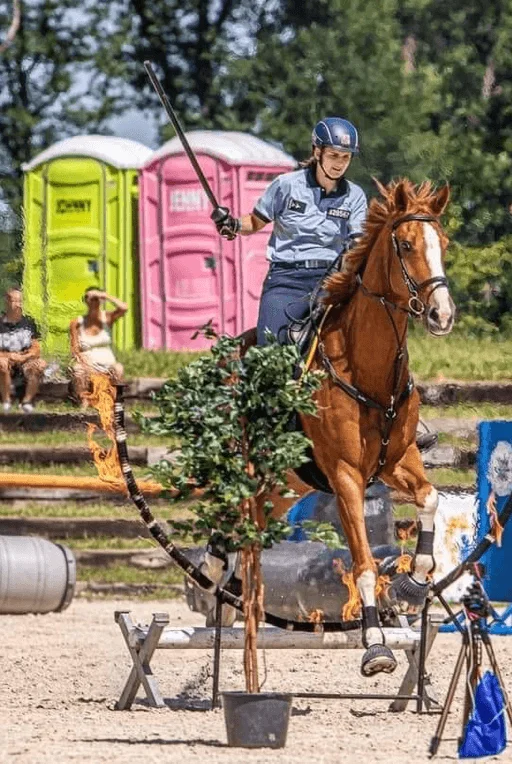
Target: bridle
{"type": "Point", "coordinates": [416, 307]}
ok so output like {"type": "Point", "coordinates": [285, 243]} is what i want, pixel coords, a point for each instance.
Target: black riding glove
{"type": "Point", "coordinates": [227, 226]}
{"type": "Point", "coordinates": [353, 241]}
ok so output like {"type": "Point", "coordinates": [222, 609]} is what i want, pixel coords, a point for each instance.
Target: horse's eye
{"type": "Point", "coordinates": [406, 246]}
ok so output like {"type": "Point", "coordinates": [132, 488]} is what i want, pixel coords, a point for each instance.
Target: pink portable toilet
{"type": "Point", "coordinates": [189, 275]}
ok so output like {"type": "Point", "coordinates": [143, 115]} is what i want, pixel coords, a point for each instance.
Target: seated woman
{"type": "Point", "coordinates": [91, 343]}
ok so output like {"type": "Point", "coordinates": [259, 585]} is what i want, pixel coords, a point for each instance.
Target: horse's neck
{"type": "Point", "coordinates": [363, 343]}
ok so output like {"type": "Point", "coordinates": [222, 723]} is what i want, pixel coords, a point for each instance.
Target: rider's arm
{"type": "Point", "coordinates": [251, 224]}
{"type": "Point", "coordinates": [358, 212]}
{"type": "Point", "coordinates": [264, 212]}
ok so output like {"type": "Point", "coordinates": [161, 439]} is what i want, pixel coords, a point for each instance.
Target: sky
{"type": "Point", "coordinates": [135, 125]}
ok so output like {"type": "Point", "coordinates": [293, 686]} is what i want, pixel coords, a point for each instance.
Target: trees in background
{"type": "Point", "coordinates": [348, 62]}
{"type": "Point", "coordinates": [466, 45]}
{"type": "Point", "coordinates": [189, 42]}
{"type": "Point", "coordinates": [46, 85]}
{"type": "Point", "coordinates": [427, 82]}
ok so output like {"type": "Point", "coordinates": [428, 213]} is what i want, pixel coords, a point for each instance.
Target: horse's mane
{"type": "Point", "coordinates": [380, 211]}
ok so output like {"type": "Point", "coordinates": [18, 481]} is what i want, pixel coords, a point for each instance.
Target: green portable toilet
{"type": "Point", "coordinates": [81, 230]}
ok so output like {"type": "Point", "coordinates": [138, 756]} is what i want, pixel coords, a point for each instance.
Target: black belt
{"type": "Point", "coordinates": [302, 264]}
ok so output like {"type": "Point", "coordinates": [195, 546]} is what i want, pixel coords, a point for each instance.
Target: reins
{"type": "Point", "coordinates": [390, 412]}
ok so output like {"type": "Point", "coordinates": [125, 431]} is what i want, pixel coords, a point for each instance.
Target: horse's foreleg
{"type": "Point", "coordinates": [349, 488]}
{"type": "Point", "coordinates": [427, 501]}
{"type": "Point", "coordinates": [409, 477]}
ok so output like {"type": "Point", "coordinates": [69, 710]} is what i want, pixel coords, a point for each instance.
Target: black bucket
{"type": "Point", "coordinates": [256, 720]}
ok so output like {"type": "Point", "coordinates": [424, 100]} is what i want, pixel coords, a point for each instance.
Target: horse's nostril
{"type": "Point", "coordinates": [434, 314]}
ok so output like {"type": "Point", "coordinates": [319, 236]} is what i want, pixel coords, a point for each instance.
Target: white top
{"type": "Point", "coordinates": [233, 147]}
{"type": "Point", "coordinates": [96, 349]}
{"type": "Point", "coordinates": [122, 153]}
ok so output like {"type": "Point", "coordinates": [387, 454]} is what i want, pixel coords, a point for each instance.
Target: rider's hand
{"type": "Point", "coordinates": [227, 226]}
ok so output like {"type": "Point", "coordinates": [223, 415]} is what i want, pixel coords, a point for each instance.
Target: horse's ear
{"type": "Point", "coordinates": [380, 187]}
{"type": "Point", "coordinates": [402, 197]}
{"type": "Point", "coordinates": [441, 200]}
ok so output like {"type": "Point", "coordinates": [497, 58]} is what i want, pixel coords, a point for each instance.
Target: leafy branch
{"type": "Point", "coordinates": [233, 416]}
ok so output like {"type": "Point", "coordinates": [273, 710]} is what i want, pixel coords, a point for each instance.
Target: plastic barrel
{"type": "Point", "coordinates": [298, 577]}
{"type": "Point", "coordinates": [322, 507]}
{"type": "Point", "coordinates": [36, 576]}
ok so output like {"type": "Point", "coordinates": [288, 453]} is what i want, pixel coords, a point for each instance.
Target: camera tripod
{"type": "Point", "coordinates": [475, 637]}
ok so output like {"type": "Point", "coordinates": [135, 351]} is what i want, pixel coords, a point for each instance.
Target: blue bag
{"type": "Point", "coordinates": [485, 733]}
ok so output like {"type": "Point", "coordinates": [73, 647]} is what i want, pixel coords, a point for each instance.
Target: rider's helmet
{"type": "Point", "coordinates": [337, 133]}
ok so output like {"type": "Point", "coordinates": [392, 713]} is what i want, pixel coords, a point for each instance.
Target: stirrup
{"type": "Point", "coordinates": [426, 440]}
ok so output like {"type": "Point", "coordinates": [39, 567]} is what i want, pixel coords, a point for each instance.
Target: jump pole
{"type": "Point", "coordinates": [21, 480]}
{"type": "Point", "coordinates": [142, 641]}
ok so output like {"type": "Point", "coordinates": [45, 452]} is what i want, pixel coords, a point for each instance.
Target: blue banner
{"type": "Point", "coordinates": [494, 484]}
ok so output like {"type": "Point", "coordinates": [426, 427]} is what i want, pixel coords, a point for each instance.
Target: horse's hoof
{"type": "Point", "coordinates": [404, 587]}
{"type": "Point", "coordinates": [376, 659]}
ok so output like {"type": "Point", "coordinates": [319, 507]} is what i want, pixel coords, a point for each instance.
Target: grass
{"type": "Point", "coordinates": [154, 363]}
{"type": "Point", "coordinates": [77, 438]}
{"type": "Point", "coordinates": [77, 470]}
{"type": "Point", "coordinates": [94, 543]}
{"type": "Point", "coordinates": [79, 509]}
{"type": "Point", "coordinates": [459, 357]}
{"type": "Point", "coordinates": [442, 477]}
{"type": "Point", "coordinates": [67, 407]}
{"type": "Point", "coordinates": [468, 411]}
{"type": "Point", "coordinates": [94, 509]}
{"type": "Point", "coordinates": [467, 442]}
{"type": "Point", "coordinates": [127, 574]}
{"type": "Point", "coordinates": [404, 511]}
{"type": "Point", "coordinates": [455, 356]}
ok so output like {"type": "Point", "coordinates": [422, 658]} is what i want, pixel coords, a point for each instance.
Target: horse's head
{"type": "Point", "coordinates": [416, 271]}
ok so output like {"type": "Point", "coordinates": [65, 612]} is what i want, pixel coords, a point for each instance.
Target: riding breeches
{"type": "Point", "coordinates": [285, 298]}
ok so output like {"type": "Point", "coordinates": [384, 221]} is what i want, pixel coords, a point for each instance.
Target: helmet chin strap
{"type": "Point", "coordinates": [320, 162]}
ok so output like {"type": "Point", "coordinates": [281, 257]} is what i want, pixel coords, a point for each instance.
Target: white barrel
{"type": "Point", "coordinates": [36, 576]}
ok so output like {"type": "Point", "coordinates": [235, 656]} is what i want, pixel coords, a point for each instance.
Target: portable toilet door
{"type": "Point", "coordinates": [189, 275]}
{"type": "Point", "coordinates": [80, 197]}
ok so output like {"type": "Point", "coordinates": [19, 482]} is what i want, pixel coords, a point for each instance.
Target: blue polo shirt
{"type": "Point", "coordinates": [308, 223]}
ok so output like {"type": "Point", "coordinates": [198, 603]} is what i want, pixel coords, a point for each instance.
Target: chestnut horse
{"type": "Point", "coordinates": [368, 408]}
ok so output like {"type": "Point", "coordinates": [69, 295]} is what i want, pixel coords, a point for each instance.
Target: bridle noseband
{"type": "Point", "coordinates": [416, 306]}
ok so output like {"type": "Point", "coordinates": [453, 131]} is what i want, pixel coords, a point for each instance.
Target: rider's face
{"type": "Point", "coordinates": [335, 162]}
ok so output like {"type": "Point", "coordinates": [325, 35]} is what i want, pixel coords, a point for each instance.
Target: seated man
{"type": "Point", "coordinates": [19, 351]}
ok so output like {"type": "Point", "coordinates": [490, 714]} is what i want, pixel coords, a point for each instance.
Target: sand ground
{"type": "Point", "coordinates": [62, 674]}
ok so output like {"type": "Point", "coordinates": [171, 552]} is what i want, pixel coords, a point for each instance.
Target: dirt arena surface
{"type": "Point", "coordinates": [62, 674]}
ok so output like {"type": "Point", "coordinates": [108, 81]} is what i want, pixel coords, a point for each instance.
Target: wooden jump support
{"type": "Point", "coordinates": [142, 641]}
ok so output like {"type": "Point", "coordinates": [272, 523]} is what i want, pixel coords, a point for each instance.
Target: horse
{"type": "Point", "coordinates": [367, 406]}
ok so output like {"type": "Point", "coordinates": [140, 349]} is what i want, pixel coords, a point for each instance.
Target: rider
{"type": "Point", "coordinates": [317, 215]}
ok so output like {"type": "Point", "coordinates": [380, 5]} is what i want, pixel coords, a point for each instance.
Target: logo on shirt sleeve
{"type": "Point", "coordinates": [297, 206]}
{"type": "Point", "coordinates": [336, 212]}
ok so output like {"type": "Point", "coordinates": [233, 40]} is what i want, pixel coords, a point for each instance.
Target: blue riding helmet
{"type": "Point", "coordinates": [337, 133]}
